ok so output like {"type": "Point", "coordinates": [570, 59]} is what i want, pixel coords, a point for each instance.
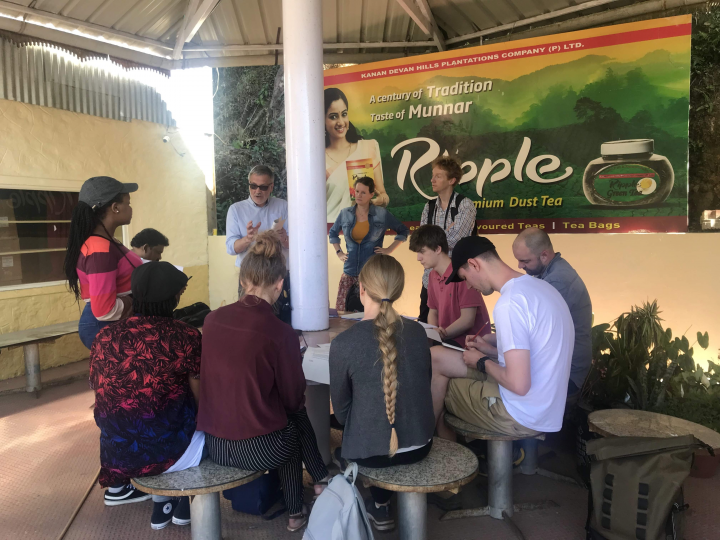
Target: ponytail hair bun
{"type": "Point", "coordinates": [264, 263]}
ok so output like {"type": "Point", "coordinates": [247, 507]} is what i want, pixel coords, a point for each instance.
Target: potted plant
{"type": "Point", "coordinates": [638, 364]}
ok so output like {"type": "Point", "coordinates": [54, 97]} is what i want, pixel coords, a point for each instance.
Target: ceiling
{"type": "Point", "coordinates": [245, 32]}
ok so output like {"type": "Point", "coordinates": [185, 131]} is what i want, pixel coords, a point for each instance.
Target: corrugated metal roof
{"type": "Point", "coordinates": [256, 22]}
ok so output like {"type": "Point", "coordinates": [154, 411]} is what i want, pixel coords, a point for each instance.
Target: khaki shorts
{"type": "Point", "coordinates": [476, 400]}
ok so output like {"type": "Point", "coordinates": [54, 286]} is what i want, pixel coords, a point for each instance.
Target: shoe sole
{"type": "Point", "coordinates": [382, 526]}
{"type": "Point", "coordinates": [177, 521]}
{"type": "Point", "coordinates": [118, 502]}
{"type": "Point", "coordinates": [158, 526]}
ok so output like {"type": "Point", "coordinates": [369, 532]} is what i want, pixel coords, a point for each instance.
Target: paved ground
{"type": "Point", "coordinates": [49, 456]}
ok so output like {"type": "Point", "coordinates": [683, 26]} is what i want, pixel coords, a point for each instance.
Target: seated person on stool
{"type": "Point", "coordinates": [456, 310]}
{"type": "Point", "coordinates": [380, 372]}
{"type": "Point", "coordinates": [144, 371]}
{"type": "Point", "coordinates": [253, 387]}
{"type": "Point", "coordinates": [149, 245]}
{"type": "Point", "coordinates": [524, 393]}
{"type": "Point", "coordinates": [534, 252]}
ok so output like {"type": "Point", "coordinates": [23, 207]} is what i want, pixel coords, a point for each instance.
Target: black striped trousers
{"type": "Point", "coordinates": [284, 450]}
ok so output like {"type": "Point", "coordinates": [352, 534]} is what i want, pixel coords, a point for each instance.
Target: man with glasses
{"type": "Point", "coordinates": [258, 213]}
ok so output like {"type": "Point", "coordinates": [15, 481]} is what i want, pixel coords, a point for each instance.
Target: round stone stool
{"type": "Point", "coordinates": [203, 484]}
{"type": "Point", "coordinates": [447, 467]}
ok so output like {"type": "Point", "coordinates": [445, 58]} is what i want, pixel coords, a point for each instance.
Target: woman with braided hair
{"type": "Point", "coordinates": [98, 267]}
{"type": "Point", "coordinates": [380, 374]}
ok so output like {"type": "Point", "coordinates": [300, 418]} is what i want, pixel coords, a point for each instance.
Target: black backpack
{"type": "Point", "coordinates": [454, 204]}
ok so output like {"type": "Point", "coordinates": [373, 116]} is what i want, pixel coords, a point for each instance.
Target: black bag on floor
{"type": "Point", "coordinates": [636, 487]}
{"type": "Point", "coordinates": [256, 497]}
{"type": "Point", "coordinates": [352, 300]}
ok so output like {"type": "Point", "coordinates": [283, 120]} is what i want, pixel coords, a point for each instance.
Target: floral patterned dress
{"type": "Point", "coordinates": [139, 369]}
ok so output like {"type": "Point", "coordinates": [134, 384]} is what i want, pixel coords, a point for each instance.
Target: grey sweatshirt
{"type": "Point", "coordinates": [357, 394]}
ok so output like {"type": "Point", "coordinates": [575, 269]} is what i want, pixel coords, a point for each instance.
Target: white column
{"type": "Point", "coordinates": [304, 137]}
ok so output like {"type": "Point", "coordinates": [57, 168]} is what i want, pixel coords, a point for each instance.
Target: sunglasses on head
{"type": "Point", "coordinates": [261, 188]}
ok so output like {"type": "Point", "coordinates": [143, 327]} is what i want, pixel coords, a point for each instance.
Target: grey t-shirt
{"type": "Point", "coordinates": [568, 283]}
{"type": "Point", "coordinates": [357, 391]}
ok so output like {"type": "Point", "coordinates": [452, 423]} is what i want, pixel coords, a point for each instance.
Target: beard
{"type": "Point", "coordinates": [535, 271]}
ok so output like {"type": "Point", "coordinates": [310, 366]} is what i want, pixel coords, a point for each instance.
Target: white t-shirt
{"type": "Point", "coordinates": [533, 316]}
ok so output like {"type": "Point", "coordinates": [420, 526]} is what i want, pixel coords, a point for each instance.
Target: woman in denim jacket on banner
{"type": "Point", "coordinates": [363, 226]}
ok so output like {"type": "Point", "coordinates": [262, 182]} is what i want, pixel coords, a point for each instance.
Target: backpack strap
{"type": "Point", "coordinates": [352, 470]}
{"type": "Point", "coordinates": [432, 207]}
{"type": "Point", "coordinates": [454, 209]}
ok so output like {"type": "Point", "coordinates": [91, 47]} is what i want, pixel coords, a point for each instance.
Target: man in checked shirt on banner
{"type": "Point", "coordinates": [453, 212]}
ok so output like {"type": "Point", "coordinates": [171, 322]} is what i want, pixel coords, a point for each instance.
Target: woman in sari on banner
{"type": "Point", "coordinates": [347, 157]}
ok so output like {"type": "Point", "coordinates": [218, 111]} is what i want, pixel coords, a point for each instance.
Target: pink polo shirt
{"type": "Point", "coordinates": [448, 300]}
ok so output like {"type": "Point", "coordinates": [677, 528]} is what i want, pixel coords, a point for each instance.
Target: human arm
{"type": "Point", "coordinates": [463, 225]}
{"type": "Point", "coordinates": [381, 196]}
{"type": "Point", "coordinates": [102, 275]}
{"type": "Point", "coordinates": [334, 235]}
{"type": "Point", "coordinates": [234, 231]}
{"type": "Point", "coordinates": [464, 323]}
{"type": "Point", "coordinates": [487, 344]}
{"type": "Point", "coordinates": [195, 388]}
{"type": "Point", "coordinates": [388, 250]}
{"type": "Point", "coordinates": [515, 376]}
{"type": "Point", "coordinates": [289, 375]}
{"type": "Point", "coordinates": [433, 317]}
{"type": "Point", "coordinates": [402, 232]}
{"type": "Point", "coordinates": [340, 382]}
{"type": "Point", "coordinates": [425, 214]}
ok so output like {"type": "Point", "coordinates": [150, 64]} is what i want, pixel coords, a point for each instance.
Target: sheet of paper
{"type": "Point", "coordinates": [316, 364]}
{"type": "Point", "coordinates": [353, 316]}
{"type": "Point", "coordinates": [424, 325]}
{"type": "Point", "coordinates": [433, 334]}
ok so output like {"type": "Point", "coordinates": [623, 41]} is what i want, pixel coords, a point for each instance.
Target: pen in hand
{"type": "Point", "coordinates": [478, 333]}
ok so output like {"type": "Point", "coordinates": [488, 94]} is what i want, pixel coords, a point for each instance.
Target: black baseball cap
{"type": "Point", "coordinates": [156, 282]}
{"type": "Point", "coordinates": [467, 248]}
{"type": "Point", "coordinates": [100, 190]}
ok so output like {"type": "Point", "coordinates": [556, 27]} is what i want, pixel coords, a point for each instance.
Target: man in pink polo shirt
{"type": "Point", "coordinates": [456, 310]}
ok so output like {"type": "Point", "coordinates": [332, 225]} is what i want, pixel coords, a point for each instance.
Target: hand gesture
{"type": "Point", "coordinates": [252, 231]}
{"type": "Point", "coordinates": [442, 332]}
{"type": "Point", "coordinates": [479, 344]}
{"type": "Point", "coordinates": [382, 251]}
{"type": "Point", "coordinates": [284, 240]}
{"type": "Point", "coordinates": [342, 256]}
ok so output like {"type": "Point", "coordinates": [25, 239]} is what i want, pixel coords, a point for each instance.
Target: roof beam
{"type": "Point", "coordinates": [411, 9]}
{"type": "Point", "coordinates": [198, 18]}
{"type": "Point", "coordinates": [531, 20]}
{"type": "Point", "coordinates": [96, 31]}
{"type": "Point", "coordinates": [180, 40]}
{"type": "Point", "coordinates": [326, 46]}
{"type": "Point", "coordinates": [435, 31]}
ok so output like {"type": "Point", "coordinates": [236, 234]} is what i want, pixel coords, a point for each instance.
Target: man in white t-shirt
{"type": "Point", "coordinates": [514, 381]}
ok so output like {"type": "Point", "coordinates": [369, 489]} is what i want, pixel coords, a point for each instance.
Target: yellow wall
{"type": "Point", "coordinates": [44, 148]}
{"type": "Point", "coordinates": [679, 270]}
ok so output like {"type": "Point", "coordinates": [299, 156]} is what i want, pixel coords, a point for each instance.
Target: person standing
{"type": "Point", "coordinates": [380, 374]}
{"type": "Point", "coordinates": [259, 212]}
{"type": "Point", "coordinates": [455, 309]}
{"type": "Point", "coordinates": [453, 212]}
{"type": "Point", "coordinates": [363, 225]}
{"type": "Point", "coordinates": [535, 254]}
{"type": "Point", "coordinates": [97, 266]}
{"type": "Point", "coordinates": [513, 382]}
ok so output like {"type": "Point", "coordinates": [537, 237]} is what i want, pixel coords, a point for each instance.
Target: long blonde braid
{"type": "Point", "coordinates": [383, 279]}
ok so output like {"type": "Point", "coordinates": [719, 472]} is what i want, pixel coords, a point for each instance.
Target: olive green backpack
{"type": "Point", "coordinates": [636, 487]}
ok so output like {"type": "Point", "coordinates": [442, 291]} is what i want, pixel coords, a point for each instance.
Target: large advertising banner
{"type": "Point", "coordinates": [583, 132]}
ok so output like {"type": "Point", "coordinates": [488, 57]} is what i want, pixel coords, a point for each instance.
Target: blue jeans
{"type": "Point", "coordinates": [89, 326]}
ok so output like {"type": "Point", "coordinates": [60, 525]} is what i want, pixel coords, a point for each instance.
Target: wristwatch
{"type": "Point", "coordinates": [481, 364]}
{"type": "Point", "coordinates": [338, 251]}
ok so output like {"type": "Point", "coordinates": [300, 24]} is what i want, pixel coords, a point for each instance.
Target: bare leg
{"type": "Point", "coordinates": [446, 364]}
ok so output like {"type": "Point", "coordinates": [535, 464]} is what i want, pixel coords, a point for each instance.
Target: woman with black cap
{"type": "Point", "coordinates": [145, 373]}
{"type": "Point", "coordinates": [97, 266]}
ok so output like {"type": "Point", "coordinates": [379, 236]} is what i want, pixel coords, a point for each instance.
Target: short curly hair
{"type": "Point", "coordinates": [451, 166]}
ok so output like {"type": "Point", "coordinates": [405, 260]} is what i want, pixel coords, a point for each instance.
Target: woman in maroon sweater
{"type": "Point", "coordinates": [252, 405]}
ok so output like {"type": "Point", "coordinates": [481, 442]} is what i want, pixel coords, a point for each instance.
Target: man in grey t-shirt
{"type": "Point", "coordinates": [535, 254]}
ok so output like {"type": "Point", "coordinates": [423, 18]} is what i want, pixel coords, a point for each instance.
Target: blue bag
{"type": "Point", "coordinates": [256, 497]}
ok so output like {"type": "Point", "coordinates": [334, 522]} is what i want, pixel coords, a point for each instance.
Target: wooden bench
{"type": "Point", "coordinates": [203, 485]}
{"type": "Point", "coordinates": [447, 467]}
{"type": "Point", "coordinates": [29, 340]}
{"type": "Point", "coordinates": [500, 475]}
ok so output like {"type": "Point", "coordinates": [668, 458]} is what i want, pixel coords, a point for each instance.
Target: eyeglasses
{"type": "Point", "coordinates": [261, 188]}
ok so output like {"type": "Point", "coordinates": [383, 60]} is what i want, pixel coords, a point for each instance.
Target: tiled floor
{"type": "Point", "coordinates": [49, 456]}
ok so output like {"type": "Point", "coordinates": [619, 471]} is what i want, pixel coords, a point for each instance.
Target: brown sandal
{"type": "Point", "coordinates": [302, 516]}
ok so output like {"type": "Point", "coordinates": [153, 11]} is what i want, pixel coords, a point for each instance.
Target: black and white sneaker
{"type": "Point", "coordinates": [379, 517]}
{"type": "Point", "coordinates": [181, 516]}
{"type": "Point", "coordinates": [128, 494]}
{"type": "Point", "coordinates": [163, 514]}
